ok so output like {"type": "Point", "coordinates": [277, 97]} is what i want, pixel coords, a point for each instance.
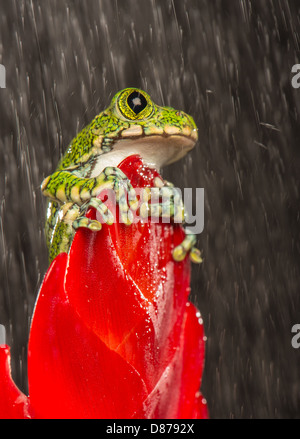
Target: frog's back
{"type": "Point", "coordinates": [79, 148]}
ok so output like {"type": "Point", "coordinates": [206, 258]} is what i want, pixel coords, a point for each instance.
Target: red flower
{"type": "Point", "coordinates": [113, 334]}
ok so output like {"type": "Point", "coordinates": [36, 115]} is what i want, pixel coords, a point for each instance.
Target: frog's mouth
{"type": "Point", "coordinates": [156, 151]}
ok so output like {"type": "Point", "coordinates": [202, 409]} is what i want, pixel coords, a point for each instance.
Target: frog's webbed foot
{"type": "Point", "coordinates": [187, 247]}
{"type": "Point", "coordinates": [87, 223]}
{"type": "Point", "coordinates": [170, 207]}
{"type": "Point", "coordinates": [114, 178]}
{"type": "Point", "coordinates": [78, 194]}
{"type": "Point", "coordinates": [73, 216]}
{"type": "Point", "coordinates": [101, 208]}
{"type": "Point", "coordinates": [106, 216]}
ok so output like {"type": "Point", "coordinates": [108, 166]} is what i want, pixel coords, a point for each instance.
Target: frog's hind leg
{"type": "Point", "coordinates": [187, 246]}
{"type": "Point", "coordinates": [62, 232]}
{"type": "Point", "coordinates": [71, 217]}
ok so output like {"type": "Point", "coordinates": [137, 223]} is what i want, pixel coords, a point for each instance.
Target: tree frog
{"type": "Point", "coordinates": [132, 124]}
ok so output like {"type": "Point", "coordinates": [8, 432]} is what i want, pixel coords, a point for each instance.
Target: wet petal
{"type": "Point", "coordinates": [72, 373]}
{"type": "Point", "coordinates": [13, 403]}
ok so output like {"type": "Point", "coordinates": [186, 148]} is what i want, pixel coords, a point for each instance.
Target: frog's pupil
{"type": "Point", "coordinates": [137, 102]}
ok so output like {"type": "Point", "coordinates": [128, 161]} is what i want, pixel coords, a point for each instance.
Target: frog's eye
{"type": "Point", "coordinates": [137, 102]}
{"type": "Point", "coordinates": [134, 104]}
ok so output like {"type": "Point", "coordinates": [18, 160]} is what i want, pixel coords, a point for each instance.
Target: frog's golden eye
{"type": "Point", "coordinates": [137, 102]}
{"type": "Point", "coordinates": [134, 104]}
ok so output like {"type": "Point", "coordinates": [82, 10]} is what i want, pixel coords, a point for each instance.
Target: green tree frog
{"type": "Point", "coordinates": [132, 124]}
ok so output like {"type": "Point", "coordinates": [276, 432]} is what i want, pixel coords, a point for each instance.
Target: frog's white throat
{"type": "Point", "coordinates": [156, 151]}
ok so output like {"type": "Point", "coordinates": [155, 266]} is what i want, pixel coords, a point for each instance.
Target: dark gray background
{"type": "Point", "coordinates": [228, 63]}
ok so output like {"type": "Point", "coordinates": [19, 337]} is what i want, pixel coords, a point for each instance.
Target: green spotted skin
{"type": "Point", "coordinates": [130, 122]}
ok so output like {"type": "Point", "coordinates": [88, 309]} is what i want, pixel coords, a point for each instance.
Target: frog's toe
{"type": "Point", "coordinates": [166, 210]}
{"type": "Point", "coordinates": [168, 183]}
{"type": "Point", "coordinates": [84, 222]}
{"type": "Point", "coordinates": [126, 217]}
{"type": "Point", "coordinates": [195, 256]}
{"type": "Point", "coordinates": [187, 247]}
{"type": "Point", "coordinates": [179, 253]}
{"type": "Point", "coordinates": [101, 208]}
{"type": "Point", "coordinates": [133, 199]}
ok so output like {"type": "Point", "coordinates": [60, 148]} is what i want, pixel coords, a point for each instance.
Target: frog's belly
{"type": "Point", "coordinates": [156, 151]}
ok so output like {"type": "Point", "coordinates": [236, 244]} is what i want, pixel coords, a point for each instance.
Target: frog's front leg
{"type": "Point", "coordinates": [72, 196]}
{"type": "Point", "coordinates": [173, 204]}
{"type": "Point", "coordinates": [171, 207]}
{"type": "Point", "coordinates": [64, 186]}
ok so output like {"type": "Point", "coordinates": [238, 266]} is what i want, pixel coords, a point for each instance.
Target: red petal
{"type": "Point", "coordinates": [72, 374]}
{"type": "Point", "coordinates": [176, 395]}
{"type": "Point", "coordinates": [13, 403]}
{"type": "Point", "coordinates": [100, 290]}
{"type": "Point", "coordinates": [193, 362]}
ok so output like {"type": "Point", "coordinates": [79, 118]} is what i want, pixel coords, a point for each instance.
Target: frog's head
{"type": "Point", "coordinates": [133, 124]}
